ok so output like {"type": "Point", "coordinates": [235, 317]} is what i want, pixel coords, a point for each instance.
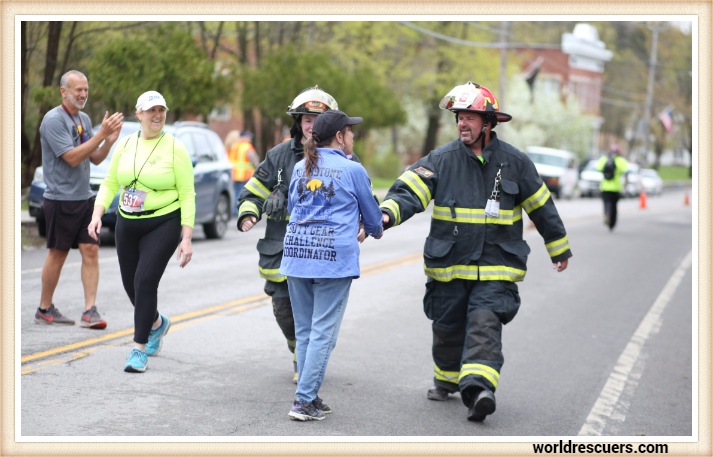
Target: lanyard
{"type": "Point", "coordinates": [136, 152]}
{"type": "Point", "coordinates": [80, 127]}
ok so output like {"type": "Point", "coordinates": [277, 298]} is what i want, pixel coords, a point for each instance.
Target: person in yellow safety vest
{"type": "Point", "coordinates": [244, 158]}
{"type": "Point", "coordinates": [611, 187]}
{"type": "Point", "coordinates": [475, 252]}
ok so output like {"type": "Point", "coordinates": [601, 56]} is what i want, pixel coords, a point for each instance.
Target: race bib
{"type": "Point", "coordinates": [132, 200]}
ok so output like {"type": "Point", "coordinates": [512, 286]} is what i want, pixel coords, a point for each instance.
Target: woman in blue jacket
{"type": "Point", "coordinates": [328, 195]}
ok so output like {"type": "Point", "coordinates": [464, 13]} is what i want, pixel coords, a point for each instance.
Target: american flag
{"type": "Point", "coordinates": [666, 117]}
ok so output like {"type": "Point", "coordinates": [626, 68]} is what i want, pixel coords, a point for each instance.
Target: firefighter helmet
{"type": "Point", "coordinates": [475, 98]}
{"type": "Point", "coordinates": [312, 100]}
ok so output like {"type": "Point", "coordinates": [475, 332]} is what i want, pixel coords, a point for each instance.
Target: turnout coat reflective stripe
{"type": "Point", "coordinates": [463, 242]}
{"type": "Point", "coordinates": [283, 157]}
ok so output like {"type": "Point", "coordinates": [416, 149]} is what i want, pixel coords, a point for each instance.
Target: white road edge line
{"type": "Point", "coordinates": [605, 406]}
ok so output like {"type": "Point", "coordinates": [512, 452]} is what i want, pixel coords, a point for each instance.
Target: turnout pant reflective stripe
{"type": "Point", "coordinates": [272, 275]}
{"type": "Point", "coordinates": [446, 376]}
{"type": "Point", "coordinates": [481, 370]}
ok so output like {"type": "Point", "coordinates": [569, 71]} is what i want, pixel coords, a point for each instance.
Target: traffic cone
{"type": "Point", "coordinates": [685, 199]}
{"type": "Point", "coordinates": [642, 199]}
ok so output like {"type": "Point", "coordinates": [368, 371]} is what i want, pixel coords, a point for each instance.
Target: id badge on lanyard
{"type": "Point", "coordinates": [132, 200]}
{"type": "Point", "coordinates": [492, 208]}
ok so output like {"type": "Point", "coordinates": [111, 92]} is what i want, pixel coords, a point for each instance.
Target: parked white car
{"type": "Point", "coordinates": [652, 182]}
{"type": "Point", "coordinates": [589, 179]}
{"type": "Point", "coordinates": [557, 168]}
{"type": "Point", "coordinates": [631, 182]}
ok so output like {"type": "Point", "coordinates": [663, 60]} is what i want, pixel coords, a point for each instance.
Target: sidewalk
{"type": "Point", "coordinates": [25, 217]}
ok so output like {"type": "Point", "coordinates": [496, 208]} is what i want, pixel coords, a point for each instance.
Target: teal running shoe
{"type": "Point", "coordinates": [136, 361]}
{"type": "Point", "coordinates": [153, 347]}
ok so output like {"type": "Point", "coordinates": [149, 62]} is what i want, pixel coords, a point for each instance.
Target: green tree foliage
{"type": "Point", "coordinates": [626, 76]}
{"type": "Point", "coordinates": [284, 74]}
{"type": "Point", "coordinates": [546, 121]}
{"type": "Point", "coordinates": [417, 67]}
{"type": "Point", "coordinates": [168, 60]}
{"type": "Point", "coordinates": [384, 71]}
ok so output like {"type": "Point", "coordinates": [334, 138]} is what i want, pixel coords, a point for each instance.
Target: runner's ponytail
{"type": "Point", "coordinates": [311, 155]}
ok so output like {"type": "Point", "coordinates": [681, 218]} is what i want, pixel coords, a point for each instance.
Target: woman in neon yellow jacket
{"type": "Point", "coordinates": [157, 206]}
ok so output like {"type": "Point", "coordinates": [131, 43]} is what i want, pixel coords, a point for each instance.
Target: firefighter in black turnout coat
{"type": "Point", "coordinates": [266, 192]}
{"type": "Point", "coordinates": [475, 252]}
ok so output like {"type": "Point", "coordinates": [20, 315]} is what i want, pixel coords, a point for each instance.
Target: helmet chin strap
{"type": "Point", "coordinates": [484, 136]}
{"type": "Point", "coordinates": [296, 129]}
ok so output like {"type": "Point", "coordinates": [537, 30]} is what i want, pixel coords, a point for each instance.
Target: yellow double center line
{"type": "Point", "coordinates": [241, 305]}
{"type": "Point", "coordinates": [193, 317]}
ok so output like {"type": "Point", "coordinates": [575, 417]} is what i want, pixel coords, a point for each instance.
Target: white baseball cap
{"type": "Point", "coordinates": [149, 100]}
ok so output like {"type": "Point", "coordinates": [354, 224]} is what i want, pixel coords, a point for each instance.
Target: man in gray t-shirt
{"type": "Point", "coordinates": [68, 147]}
{"type": "Point", "coordinates": [59, 134]}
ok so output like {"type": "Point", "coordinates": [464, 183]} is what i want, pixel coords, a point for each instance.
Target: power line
{"type": "Point", "coordinates": [623, 92]}
{"type": "Point", "coordinates": [477, 45]}
{"type": "Point", "coordinates": [513, 47]}
{"type": "Point", "coordinates": [483, 27]}
{"type": "Point", "coordinates": [623, 103]}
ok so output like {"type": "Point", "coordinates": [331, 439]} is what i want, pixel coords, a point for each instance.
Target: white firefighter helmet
{"type": "Point", "coordinates": [312, 100]}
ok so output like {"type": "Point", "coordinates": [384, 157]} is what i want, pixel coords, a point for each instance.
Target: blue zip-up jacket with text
{"type": "Point", "coordinates": [321, 239]}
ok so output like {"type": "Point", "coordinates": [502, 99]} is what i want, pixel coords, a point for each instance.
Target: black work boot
{"type": "Point", "coordinates": [483, 405]}
{"type": "Point", "coordinates": [438, 393]}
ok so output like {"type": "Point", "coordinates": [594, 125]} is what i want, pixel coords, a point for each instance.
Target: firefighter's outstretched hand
{"type": "Point", "coordinates": [248, 222]}
{"type": "Point", "coordinates": [561, 266]}
{"type": "Point", "coordinates": [385, 219]}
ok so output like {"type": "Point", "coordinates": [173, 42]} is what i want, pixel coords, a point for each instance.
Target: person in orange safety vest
{"type": "Point", "coordinates": [244, 158]}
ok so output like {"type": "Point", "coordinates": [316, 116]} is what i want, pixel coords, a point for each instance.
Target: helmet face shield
{"type": "Point", "coordinates": [312, 100]}
{"type": "Point", "coordinates": [459, 97]}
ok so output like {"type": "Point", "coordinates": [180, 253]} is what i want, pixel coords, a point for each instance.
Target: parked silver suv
{"type": "Point", "coordinates": [212, 171]}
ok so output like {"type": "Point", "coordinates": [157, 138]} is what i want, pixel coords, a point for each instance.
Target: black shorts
{"type": "Point", "coordinates": [67, 223]}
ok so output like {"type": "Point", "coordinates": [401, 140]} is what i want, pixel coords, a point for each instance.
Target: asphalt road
{"type": "Point", "coordinates": [604, 348]}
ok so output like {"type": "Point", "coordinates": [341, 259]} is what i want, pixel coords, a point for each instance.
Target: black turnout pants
{"type": "Point", "coordinates": [282, 309]}
{"type": "Point", "coordinates": [468, 316]}
{"type": "Point", "coordinates": [610, 200]}
{"type": "Point", "coordinates": [144, 247]}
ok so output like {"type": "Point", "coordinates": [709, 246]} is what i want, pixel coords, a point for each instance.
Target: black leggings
{"type": "Point", "coordinates": [610, 200]}
{"type": "Point", "coordinates": [144, 247]}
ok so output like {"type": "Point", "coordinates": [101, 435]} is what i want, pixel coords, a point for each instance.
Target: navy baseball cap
{"type": "Point", "coordinates": [330, 122]}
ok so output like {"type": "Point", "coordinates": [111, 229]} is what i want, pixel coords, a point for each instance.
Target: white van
{"type": "Point", "coordinates": [557, 168]}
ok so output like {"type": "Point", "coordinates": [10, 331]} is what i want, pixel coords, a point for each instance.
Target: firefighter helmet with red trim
{"type": "Point", "coordinates": [475, 98]}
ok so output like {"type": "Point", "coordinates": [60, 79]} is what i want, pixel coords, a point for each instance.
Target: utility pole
{"type": "Point", "coordinates": [504, 26]}
{"type": "Point", "coordinates": [650, 90]}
